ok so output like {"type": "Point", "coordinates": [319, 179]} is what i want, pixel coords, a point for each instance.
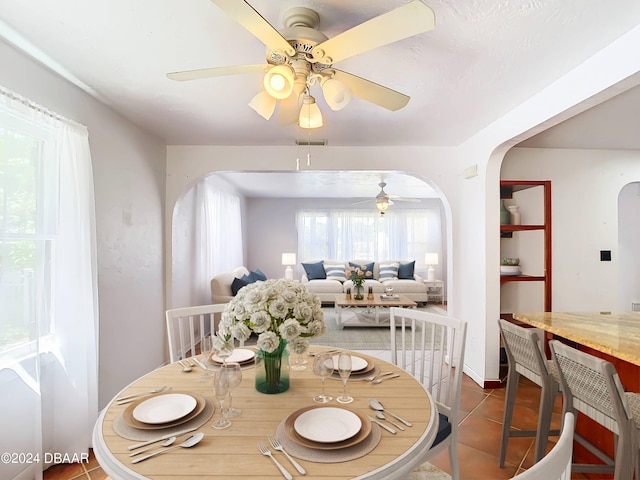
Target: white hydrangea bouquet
{"type": "Point", "coordinates": [280, 312]}
{"type": "Point", "coordinates": [275, 310]}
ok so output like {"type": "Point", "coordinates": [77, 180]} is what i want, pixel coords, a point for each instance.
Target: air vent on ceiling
{"type": "Point", "coordinates": [311, 142]}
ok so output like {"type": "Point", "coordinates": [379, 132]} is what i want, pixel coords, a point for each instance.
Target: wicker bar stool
{"type": "Point", "coordinates": [526, 357]}
{"type": "Point", "coordinates": [591, 386]}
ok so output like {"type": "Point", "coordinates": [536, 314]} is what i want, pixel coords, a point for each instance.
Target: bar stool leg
{"type": "Point", "coordinates": [547, 397]}
{"type": "Point", "coordinates": [513, 378]}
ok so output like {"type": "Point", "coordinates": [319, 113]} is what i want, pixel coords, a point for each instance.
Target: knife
{"type": "Point", "coordinates": [388, 429]}
{"type": "Point", "coordinates": [159, 439]}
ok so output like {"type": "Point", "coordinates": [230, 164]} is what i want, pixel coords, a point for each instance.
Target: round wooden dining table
{"type": "Point", "coordinates": [234, 453]}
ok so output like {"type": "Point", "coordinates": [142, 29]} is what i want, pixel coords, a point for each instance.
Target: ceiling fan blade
{"type": "Point", "coordinates": [250, 19]}
{"type": "Point", "coordinates": [410, 19]}
{"type": "Point", "coordinates": [217, 72]}
{"type": "Point", "coordinates": [372, 92]}
{"type": "Point", "coordinates": [289, 110]}
{"type": "Point", "coordinates": [403, 199]}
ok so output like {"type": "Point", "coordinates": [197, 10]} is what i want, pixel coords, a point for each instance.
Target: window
{"type": "Point", "coordinates": [26, 233]}
{"type": "Point", "coordinates": [342, 234]}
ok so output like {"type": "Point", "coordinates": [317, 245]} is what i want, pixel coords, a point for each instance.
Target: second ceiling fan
{"type": "Point", "coordinates": [301, 56]}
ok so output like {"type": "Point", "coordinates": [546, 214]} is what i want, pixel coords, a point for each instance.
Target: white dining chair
{"type": "Point", "coordinates": [591, 385]}
{"type": "Point", "coordinates": [187, 326]}
{"type": "Point", "coordinates": [556, 465]}
{"type": "Point", "coordinates": [431, 348]}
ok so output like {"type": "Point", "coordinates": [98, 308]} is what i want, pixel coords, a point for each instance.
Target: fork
{"type": "Point", "coordinates": [136, 396]}
{"type": "Point", "coordinates": [277, 446]}
{"type": "Point", "coordinates": [373, 377]}
{"type": "Point", "coordinates": [267, 453]}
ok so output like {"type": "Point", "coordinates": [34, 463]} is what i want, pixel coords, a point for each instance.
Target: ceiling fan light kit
{"type": "Point", "coordinates": [264, 104]}
{"type": "Point", "coordinates": [301, 56]}
{"type": "Point", "coordinates": [310, 114]}
{"type": "Point", "coordinates": [278, 81]}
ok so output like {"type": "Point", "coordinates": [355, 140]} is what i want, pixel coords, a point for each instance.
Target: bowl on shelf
{"type": "Point", "coordinates": [510, 270]}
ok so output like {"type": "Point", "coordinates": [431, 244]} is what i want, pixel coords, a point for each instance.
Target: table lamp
{"type": "Point", "coordinates": [288, 259]}
{"type": "Point", "coordinates": [431, 259]}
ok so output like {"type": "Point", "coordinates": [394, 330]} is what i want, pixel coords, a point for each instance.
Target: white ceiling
{"type": "Point", "coordinates": [483, 58]}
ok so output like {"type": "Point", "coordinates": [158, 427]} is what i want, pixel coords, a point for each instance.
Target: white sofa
{"type": "Point", "coordinates": [326, 288]}
{"type": "Point", "coordinates": [221, 285]}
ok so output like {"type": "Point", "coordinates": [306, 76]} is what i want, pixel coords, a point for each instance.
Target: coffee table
{"type": "Point", "coordinates": [376, 303]}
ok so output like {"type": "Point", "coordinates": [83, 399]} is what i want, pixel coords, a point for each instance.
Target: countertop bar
{"type": "Point", "coordinates": [614, 333]}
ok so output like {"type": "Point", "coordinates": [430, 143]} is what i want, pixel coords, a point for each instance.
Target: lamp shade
{"type": "Point", "coordinates": [264, 104]}
{"type": "Point", "coordinates": [310, 115]}
{"type": "Point", "coordinates": [431, 258]}
{"type": "Point", "coordinates": [288, 259]}
{"type": "Point", "coordinates": [336, 94]}
{"type": "Point", "coordinates": [278, 81]}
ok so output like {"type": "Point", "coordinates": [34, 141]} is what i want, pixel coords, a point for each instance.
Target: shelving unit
{"type": "Point", "coordinates": [507, 190]}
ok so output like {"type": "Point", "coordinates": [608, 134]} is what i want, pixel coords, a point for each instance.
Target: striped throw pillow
{"type": "Point", "coordinates": [388, 271]}
{"type": "Point", "coordinates": [335, 272]}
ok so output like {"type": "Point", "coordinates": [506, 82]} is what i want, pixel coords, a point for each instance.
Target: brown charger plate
{"type": "Point", "coordinates": [127, 415]}
{"type": "Point", "coordinates": [290, 431]}
{"type": "Point", "coordinates": [370, 366]}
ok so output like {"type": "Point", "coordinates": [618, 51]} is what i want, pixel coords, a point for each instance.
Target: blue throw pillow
{"type": "Point", "coordinates": [258, 275]}
{"type": "Point", "coordinates": [315, 271]}
{"type": "Point", "coordinates": [237, 284]}
{"type": "Point", "coordinates": [406, 270]}
{"type": "Point", "coordinates": [367, 267]}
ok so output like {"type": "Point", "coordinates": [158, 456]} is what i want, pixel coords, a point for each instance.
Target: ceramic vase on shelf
{"type": "Point", "coordinates": [505, 214]}
{"type": "Point", "coordinates": [514, 210]}
{"type": "Point", "coordinates": [358, 292]}
{"type": "Point", "coordinates": [272, 370]}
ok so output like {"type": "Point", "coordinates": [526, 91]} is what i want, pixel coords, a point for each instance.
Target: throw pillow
{"type": "Point", "coordinates": [406, 270]}
{"type": "Point", "coordinates": [237, 284]}
{"type": "Point", "coordinates": [367, 267]}
{"type": "Point", "coordinates": [315, 271]}
{"type": "Point", "coordinates": [258, 275]}
{"type": "Point", "coordinates": [335, 272]}
{"type": "Point", "coordinates": [388, 271]}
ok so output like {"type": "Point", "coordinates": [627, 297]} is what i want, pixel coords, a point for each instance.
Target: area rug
{"type": "Point", "coordinates": [357, 337]}
{"type": "Point", "coordinates": [426, 471]}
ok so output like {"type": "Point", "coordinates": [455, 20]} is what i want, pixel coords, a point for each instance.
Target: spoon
{"type": "Point", "coordinates": [188, 443]}
{"type": "Point", "coordinates": [386, 378]}
{"type": "Point", "coordinates": [185, 368]}
{"type": "Point", "coordinates": [376, 405]}
{"type": "Point", "coordinates": [381, 416]}
{"type": "Point", "coordinates": [166, 443]}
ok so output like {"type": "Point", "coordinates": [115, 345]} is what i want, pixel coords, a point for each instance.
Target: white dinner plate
{"type": "Point", "coordinates": [239, 355]}
{"type": "Point", "coordinates": [164, 408]}
{"type": "Point", "coordinates": [357, 363]}
{"type": "Point", "coordinates": [327, 425]}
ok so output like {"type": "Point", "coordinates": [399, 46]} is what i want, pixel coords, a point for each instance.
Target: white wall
{"type": "Point", "coordinates": [129, 176]}
{"type": "Point", "coordinates": [585, 187]}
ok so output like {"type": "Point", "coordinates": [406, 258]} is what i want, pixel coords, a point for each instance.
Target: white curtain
{"type": "Point", "coordinates": [355, 234]}
{"type": "Point", "coordinates": [218, 236]}
{"type": "Point", "coordinates": [48, 288]}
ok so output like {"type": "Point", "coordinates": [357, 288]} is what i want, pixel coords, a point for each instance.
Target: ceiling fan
{"type": "Point", "coordinates": [384, 200]}
{"type": "Point", "coordinates": [301, 56]}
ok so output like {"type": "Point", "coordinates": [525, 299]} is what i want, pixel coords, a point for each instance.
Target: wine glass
{"type": "Point", "coordinates": [323, 367]}
{"type": "Point", "coordinates": [220, 391]}
{"type": "Point", "coordinates": [344, 369]}
{"type": "Point", "coordinates": [206, 345]}
{"type": "Point", "coordinates": [233, 371]}
{"type": "Point", "coordinates": [301, 363]}
{"type": "Point", "coordinates": [223, 347]}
